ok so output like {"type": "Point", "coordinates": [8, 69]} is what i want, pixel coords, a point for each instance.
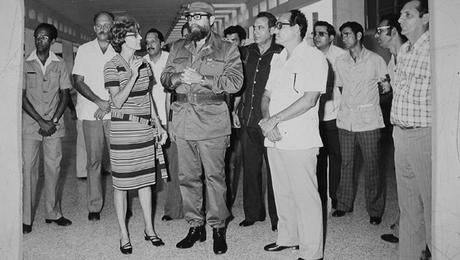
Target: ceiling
{"type": "Point", "coordinates": [164, 15]}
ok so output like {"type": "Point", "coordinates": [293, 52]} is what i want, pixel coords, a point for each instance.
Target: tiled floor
{"type": "Point", "coordinates": [350, 237]}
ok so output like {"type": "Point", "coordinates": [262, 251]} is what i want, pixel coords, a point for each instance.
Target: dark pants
{"type": "Point", "coordinates": [254, 151]}
{"type": "Point", "coordinates": [233, 167]}
{"type": "Point", "coordinates": [369, 144]}
{"type": "Point", "coordinates": [331, 148]}
{"type": "Point", "coordinates": [173, 202]}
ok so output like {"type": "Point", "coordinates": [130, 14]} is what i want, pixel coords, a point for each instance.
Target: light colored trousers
{"type": "Point", "coordinates": [95, 131]}
{"type": "Point", "coordinates": [52, 155]}
{"type": "Point", "coordinates": [81, 151]}
{"type": "Point", "coordinates": [413, 177]}
{"type": "Point", "coordinates": [297, 200]}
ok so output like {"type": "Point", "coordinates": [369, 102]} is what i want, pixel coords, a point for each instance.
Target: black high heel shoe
{"type": "Point", "coordinates": [127, 248]}
{"type": "Point", "coordinates": [155, 240]}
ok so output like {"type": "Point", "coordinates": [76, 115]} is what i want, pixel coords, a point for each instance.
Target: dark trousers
{"type": "Point", "coordinates": [173, 201]}
{"type": "Point", "coordinates": [233, 166]}
{"type": "Point", "coordinates": [369, 144]}
{"type": "Point", "coordinates": [254, 151]}
{"type": "Point", "coordinates": [331, 148]}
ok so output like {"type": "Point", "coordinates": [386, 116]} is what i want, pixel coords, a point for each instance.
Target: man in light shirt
{"type": "Point", "coordinates": [359, 121]}
{"type": "Point", "coordinates": [93, 105]}
{"type": "Point", "coordinates": [157, 59]}
{"type": "Point", "coordinates": [388, 35]}
{"type": "Point", "coordinates": [411, 115]}
{"type": "Point", "coordinates": [290, 124]}
{"type": "Point", "coordinates": [323, 37]}
{"type": "Point", "coordinates": [44, 98]}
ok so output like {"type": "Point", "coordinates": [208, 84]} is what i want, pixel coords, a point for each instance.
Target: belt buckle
{"type": "Point", "coordinates": [191, 98]}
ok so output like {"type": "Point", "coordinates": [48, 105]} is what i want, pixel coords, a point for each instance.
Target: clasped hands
{"type": "Point", "coordinates": [47, 128]}
{"type": "Point", "coordinates": [270, 129]}
{"type": "Point", "coordinates": [190, 76]}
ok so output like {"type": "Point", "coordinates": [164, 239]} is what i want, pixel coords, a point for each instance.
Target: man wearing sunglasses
{"type": "Point", "coordinates": [323, 38]}
{"type": "Point", "coordinates": [388, 35]}
{"type": "Point", "coordinates": [202, 69]}
{"type": "Point", "coordinates": [359, 120]}
{"type": "Point", "coordinates": [44, 98]}
{"type": "Point", "coordinates": [290, 125]}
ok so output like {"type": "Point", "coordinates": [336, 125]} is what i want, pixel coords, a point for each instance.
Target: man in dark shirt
{"type": "Point", "coordinates": [256, 59]}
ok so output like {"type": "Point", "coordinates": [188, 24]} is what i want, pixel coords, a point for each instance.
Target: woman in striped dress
{"type": "Point", "coordinates": [134, 127]}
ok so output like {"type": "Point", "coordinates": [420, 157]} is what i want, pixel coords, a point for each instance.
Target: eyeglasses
{"type": "Point", "coordinates": [381, 28]}
{"type": "Point", "coordinates": [132, 34]}
{"type": "Point", "coordinates": [104, 27]}
{"type": "Point", "coordinates": [279, 25]}
{"type": "Point", "coordinates": [320, 34]}
{"type": "Point", "coordinates": [42, 37]}
{"type": "Point", "coordinates": [195, 17]}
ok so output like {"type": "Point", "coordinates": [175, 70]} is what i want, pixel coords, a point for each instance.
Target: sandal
{"type": "Point", "coordinates": [155, 240]}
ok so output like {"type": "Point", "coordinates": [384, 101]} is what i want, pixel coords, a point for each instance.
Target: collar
{"type": "Point", "coordinates": [421, 41]}
{"type": "Point", "coordinates": [162, 57]}
{"type": "Point", "coordinates": [273, 48]}
{"type": "Point", "coordinates": [95, 44]}
{"type": "Point", "coordinates": [33, 56]}
{"type": "Point", "coordinates": [361, 55]}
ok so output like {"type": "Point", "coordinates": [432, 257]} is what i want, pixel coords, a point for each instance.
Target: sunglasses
{"type": "Point", "coordinates": [279, 25]}
{"type": "Point", "coordinates": [196, 17]}
{"type": "Point", "coordinates": [132, 34]}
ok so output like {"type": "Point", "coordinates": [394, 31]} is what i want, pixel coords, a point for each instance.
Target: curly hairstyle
{"type": "Point", "coordinates": [121, 26]}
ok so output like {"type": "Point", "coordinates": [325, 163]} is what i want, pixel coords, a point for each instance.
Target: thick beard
{"type": "Point", "coordinates": [197, 35]}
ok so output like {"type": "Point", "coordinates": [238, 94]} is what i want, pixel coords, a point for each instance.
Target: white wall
{"type": "Point", "coordinates": [446, 134]}
{"type": "Point", "coordinates": [11, 52]}
{"type": "Point", "coordinates": [348, 10]}
{"type": "Point", "coordinates": [324, 10]}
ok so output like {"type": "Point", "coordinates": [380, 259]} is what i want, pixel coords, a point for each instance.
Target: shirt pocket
{"type": "Point", "coordinates": [31, 80]}
{"type": "Point", "coordinates": [53, 81]}
{"type": "Point", "coordinates": [419, 91]}
{"type": "Point", "coordinates": [212, 67]}
{"type": "Point", "coordinates": [180, 63]}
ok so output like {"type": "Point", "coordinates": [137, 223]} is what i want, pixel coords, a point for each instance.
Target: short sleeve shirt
{"type": "Point", "coordinates": [89, 63]}
{"type": "Point", "coordinates": [117, 73]}
{"type": "Point", "coordinates": [304, 71]}
{"type": "Point", "coordinates": [411, 105]}
{"type": "Point", "coordinates": [42, 84]}
{"type": "Point", "coordinates": [158, 91]}
{"type": "Point", "coordinates": [360, 104]}
{"type": "Point", "coordinates": [331, 107]}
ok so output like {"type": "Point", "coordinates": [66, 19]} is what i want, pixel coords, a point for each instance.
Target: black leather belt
{"type": "Point", "coordinates": [408, 127]}
{"type": "Point", "coordinates": [198, 97]}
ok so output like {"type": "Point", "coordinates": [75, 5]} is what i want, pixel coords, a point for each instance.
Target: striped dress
{"type": "Point", "coordinates": [134, 156]}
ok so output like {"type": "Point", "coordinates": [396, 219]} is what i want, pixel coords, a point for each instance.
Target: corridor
{"type": "Point", "coordinates": [349, 237]}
